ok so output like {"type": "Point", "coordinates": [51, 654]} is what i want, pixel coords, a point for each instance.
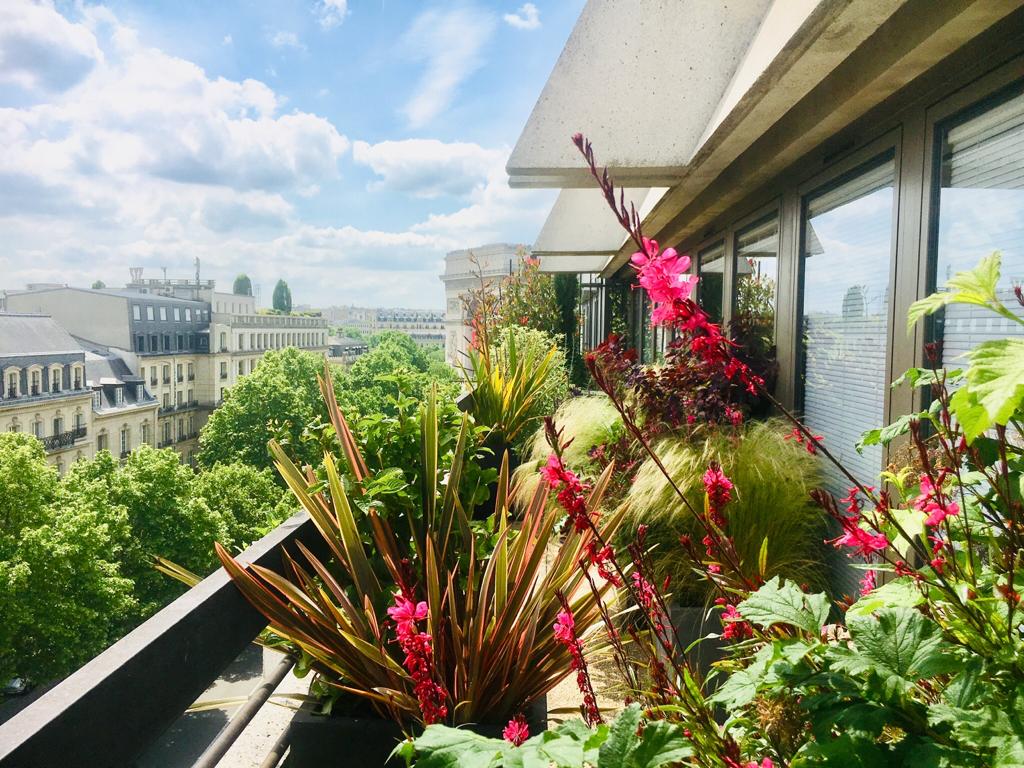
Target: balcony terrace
{"type": "Point", "coordinates": [120, 703]}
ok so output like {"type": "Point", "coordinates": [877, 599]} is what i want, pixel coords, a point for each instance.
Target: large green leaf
{"type": "Point", "coordinates": [900, 647]}
{"type": "Point", "coordinates": [999, 727]}
{"type": "Point", "coordinates": [899, 593]}
{"type": "Point", "coordinates": [621, 738]}
{"type": "Point", "coordinates": [976, 286]}
{"type": "Point", "coordinates": [662, 743]}
{"type": "Point", "coordinates": [442, 747]}
{"type": "Point", "coordinates": [784, 603]}
{"type": "Point", "coordinates": [996, 378]}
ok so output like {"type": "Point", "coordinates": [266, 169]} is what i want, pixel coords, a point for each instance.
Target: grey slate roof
{"type": "Point", "coordinates": [31, 334]}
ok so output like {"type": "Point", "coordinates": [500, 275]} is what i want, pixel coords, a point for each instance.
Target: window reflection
{"type": "Point", "coordinates": [847, 250]}
{"type": "Point", "coordinates": [711, 270]}
{"type": "Point", "coordinates": [753, 318]}
{"type": "Point", "coordinates": [981, 210]}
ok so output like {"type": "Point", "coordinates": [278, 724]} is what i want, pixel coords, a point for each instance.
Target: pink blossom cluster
{"type": "Point", "coordinates": [603, 558]}
{"type": "Point", "coordinates": [932, 501]}
{"type": "Point", "coordinates": [571, 496]}
{"type": "Point", "coordinates": [663, 276]}
{"type": "Point", "coordinates": [419, 657]}
{"type": "Point", "coordinates": [719, 490]}
{"type": "Point", "coordinates": [565, 633]}
{"type": "Point", "coordinates": [733, 625]}
{"type": "Point", "coordinates": [863, 542]}
{"type": "Point", "coordinates": [517, 731]}
{"type": "Point", "coordinates": [808, 443]}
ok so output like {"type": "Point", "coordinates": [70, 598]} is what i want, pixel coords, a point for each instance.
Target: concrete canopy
{"type": "Point", "coordinates": [642, 80]}
{"type": "Point", "coordinates": [581, 233]}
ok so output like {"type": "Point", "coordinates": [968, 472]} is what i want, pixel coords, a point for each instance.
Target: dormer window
{"type": "Point", "coordinates": [78, 377]}
{"type": "Point", "coordinates": [12, 384]}
{"type": "Point", "coordinates": [97, 399]}
{"type": "Point", "coordinates": [35, 382]}
{"type": "Point", "coordinates": [119, 395]}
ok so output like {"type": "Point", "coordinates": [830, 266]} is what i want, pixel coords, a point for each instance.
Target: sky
{"type": "Point", "coordinates": [341, 146]}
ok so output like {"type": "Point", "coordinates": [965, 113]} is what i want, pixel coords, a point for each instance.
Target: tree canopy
{"type": "Point", "coordinates": [242, 286]}
{"type": "Point", "coordinates": [282, 300]}
{"type": "Point", "coordinates": [98, 284]}
{"type": "Point", "coordinates": [62, 592]}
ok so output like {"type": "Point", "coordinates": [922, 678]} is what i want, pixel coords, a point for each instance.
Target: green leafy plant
{"type": "Point", "coordinates": [482, 656]}
{"type": "Point", "coordinates": [625, 743]}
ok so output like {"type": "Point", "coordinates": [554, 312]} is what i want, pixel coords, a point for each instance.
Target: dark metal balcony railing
{"type": "Point", "coordinates": [118, 704]}
{"type": "Point", "coordinates": [64, 439]}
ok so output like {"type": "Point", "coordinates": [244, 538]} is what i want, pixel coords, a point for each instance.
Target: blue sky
{"type": "Point", "coordinates": [343, 146]}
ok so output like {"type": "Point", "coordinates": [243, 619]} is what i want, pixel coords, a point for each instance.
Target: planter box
{"type": "Point", "coordinates": [692, 623]}
{"type": "Point", "coordinates": [317, 741]}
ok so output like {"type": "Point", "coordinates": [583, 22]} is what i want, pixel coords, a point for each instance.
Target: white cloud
{"type": "Point", "coordinates": [283, 39]}
{"type": "Point", "coordinates": [147, 160]}
{"type": "Point", "coordinates": [227, 40]}
{"type": "Point", "coordinates": [527, 17]}
{"type": "Point", "coordinates": [449, 44]}
{"type": "Point", "coordinates": [331, 13]}
{"type": "Point", "coordinates": [429, 168]}
{"type": "Point", "coordinates": [41, 51]}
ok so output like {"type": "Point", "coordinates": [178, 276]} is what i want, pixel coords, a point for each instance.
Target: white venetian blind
{"type": "Point", "coordinates": [981, 210]}
{"type": "Point", "coordinates": [847, 234]}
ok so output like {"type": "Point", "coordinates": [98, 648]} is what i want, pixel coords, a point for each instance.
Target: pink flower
{"type": "Point", "coordinates": [565, 628]}
{"type": "Point", "coordinates": [405, 613]}
{"type": "Point", "coordinates": [867, 582]}
{"type": "Point", "coordinates": [932, 502]}
{"type": "Point", "coordinates": [664, 278]}
{"type": "Point", "coordinates": [863, 543]}
{"type": "Point", "coordinates": [552, 471]}
{"type": "Point", "coordinates": [733, 625]}
{"type": "Point", "coordinates": [517, 731]}
{"type": "Point", "coordinates": [603, 560]}
{"type": "Point", "coordinates": [718, 487]}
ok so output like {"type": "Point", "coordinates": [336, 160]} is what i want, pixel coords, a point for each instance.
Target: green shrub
{"type": "Point", "coordinates": [534, 344]}
{"type": "Point", "coordinates": [771, 499]}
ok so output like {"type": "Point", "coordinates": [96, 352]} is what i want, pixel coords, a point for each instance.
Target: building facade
{"type": "Point", "coordinates": [75, 401]}
{"type": "Point", "coordinates": [469, 270]}
{"type": "Point", "coordinates": [184, 341]}
{"type": "Point", "coordinates": [827, 165]}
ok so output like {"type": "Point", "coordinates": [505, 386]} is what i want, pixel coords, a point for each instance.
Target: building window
{"type": "Point", "coordinates": [58, 425]}
{"type": "Point", "coordinates": [980, 193]}
{"type": "Point", "coordinates": [223, 370]}
{"type": "Point", "coordinates": [756, 288]}
{"type": "Point", "coordinates": [153, 346]}
{"type": "Point", "coordinates": [56, 374]}
{"type": "Point", "coordinates": [35, 386]}
{"type": "Point", "coordinates": [191, 396]}
{"type": "Point", "coordinates": [223, 342]}
{"type": "Point", "coordinates": [711, 285]}
{"type": "Point", "coordinates": [167, 431]}
{"type": "Point", "coordinates": [149, 313]}
{"type": "Point", "coordinates": [241, 367]}
{"type": "Point", "coordinates": [188, 315]}
{"type": "Point", "coordinates": [179, 397]}
{"type": "Point", "coordinates": [79, 420]}
{"type": "Point", "coordinates": [163, 313]}
{"type": "Point", "coordinates": [125, 444]}
{"type": "Point", "coordinates": [181, 341]}
{"type": "Point", "coordinates": [167, 342]}
{"type": "Point", "coordinates": [37, 428]}
{"type": "Point", "coordinates": [78, 377]}
{"type": "Point", "coordinates": [12, 384]}
{"type": "Point", "coordinates": [181, 429]}
{"type": "Point", "coordinates": [140, 343]}
{"type": "Point", "coordinates": [167, 373]}
{"type": "Point", "coordinates": [191, 372]}
{"type": "Point", "coordinates": [101, 441]}
{"type": "Point", "coordinates": [177, 314]}
{"type": "Point", "coordinates": [847, 245]}
{"type": "Point", "coordinates": [97, 398]}
{"type": "Point", "coordinates": [119, 395]}
{"type": "Point", "coordinates": [144, 433]}
{"type": "Point", "coordinates": [167, 399]}
{"type": "Point", "coordinates": [179, 371]}
{"type": "Point", "coordinates": [136, 312]}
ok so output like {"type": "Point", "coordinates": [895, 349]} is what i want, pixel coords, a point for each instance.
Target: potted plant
{"type": "Point", "coordinates": [420, 619]}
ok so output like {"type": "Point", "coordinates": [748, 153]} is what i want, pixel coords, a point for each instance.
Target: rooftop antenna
{"type": "Point", "coordinates": [165, 273]}
{"type": "Point", "coordinates": [136, 273]}
{"type": "Point", "coordinates": [197, 271]}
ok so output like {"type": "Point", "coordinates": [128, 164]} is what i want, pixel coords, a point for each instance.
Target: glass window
{"type": "Point", "coordinates": [757, 278]}
{"type": "Point", "coordinates": [136, 312]}
{"type": "Point", "coordinates": [163, 313]}
{"type": "Point", "coordinates": [177, 314]}
{"type": "Point", "coordinates": [980, 210]}
{"type": "Point", "coordinates": [846, 254]}
{"type": "Point", "coordinates": [149, 313]}
{"type": "Point", "coordinates": [711, 271]}
{"type": "Point", "coordinates": [188, 315]}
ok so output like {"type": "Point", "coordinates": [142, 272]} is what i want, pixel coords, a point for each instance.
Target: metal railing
{"type": "Point", "coordinates": [109, 711]}
{"type": "Point", "coordinates": [64, 439]}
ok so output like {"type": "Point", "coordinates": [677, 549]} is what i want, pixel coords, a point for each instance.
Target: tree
{"type": "Point", "coordinates": [242, 286]}
{"type": "Point", "coordinates": [62, 594]}
{"type": "Point", "coordinates": [282, 297]}
{"type": "Point", "coordinates": [279, 399]}
{"type": "Point", "coordinates": [98, 284]}
{"type": "Point", "coordinates": [154, 489]}
{"type": "Point", "coordinates": [248, 501]}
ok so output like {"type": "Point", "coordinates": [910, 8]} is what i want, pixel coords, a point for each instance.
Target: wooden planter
{"type": "Point", "coordinates": [318, 740]}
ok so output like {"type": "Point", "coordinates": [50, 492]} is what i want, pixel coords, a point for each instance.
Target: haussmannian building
{"type": "Point", "coordinates": [181, 341]}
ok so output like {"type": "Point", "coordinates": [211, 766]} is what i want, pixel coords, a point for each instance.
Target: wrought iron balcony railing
{"type": "Point", "coordinates": [64, 439]}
